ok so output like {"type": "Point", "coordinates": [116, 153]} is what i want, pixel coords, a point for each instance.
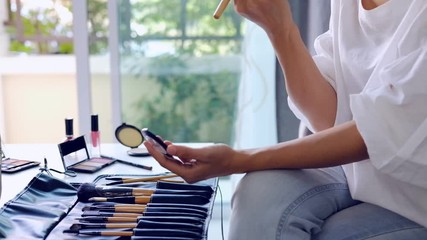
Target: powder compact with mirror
{"type": "Point", "coordinates": [131, 136]}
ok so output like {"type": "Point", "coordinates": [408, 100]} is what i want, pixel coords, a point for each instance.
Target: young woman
{"type": "Point", "coordinates": [363, 173]}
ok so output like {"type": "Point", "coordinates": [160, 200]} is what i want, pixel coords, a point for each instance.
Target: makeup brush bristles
{"type": "Point", "coordinates": [90, 190]}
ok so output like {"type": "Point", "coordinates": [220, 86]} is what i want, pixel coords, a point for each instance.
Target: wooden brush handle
{"type": "Point", "coordinates": [221, 8]}
{"type": "Point", "coordinates": [142, 199]}
{"type": "Point", "coordinates": [130, 209]}
{"type": "Point", "coordinates": [120, 225]}
{"type": "Point", "coordinates": [116, 234]}
{"type": "Point", "coordinates": [140, 191]}
{"type": "Point", "coordinates": [148, 179]}
{"type": "Point", "coordinates": [122, 219]}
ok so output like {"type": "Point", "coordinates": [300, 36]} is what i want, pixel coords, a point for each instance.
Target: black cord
{"type": "Point", "coordinates": [222, 213]}
{"type": "Point", "coordinates": [47, 170]}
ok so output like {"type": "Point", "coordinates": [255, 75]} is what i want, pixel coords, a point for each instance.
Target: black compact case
{"type": "Point", "coordinates": [48, 208]}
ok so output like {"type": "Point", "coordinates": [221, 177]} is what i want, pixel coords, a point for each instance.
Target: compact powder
{"type": "Point", "coordinates": [130, 137]}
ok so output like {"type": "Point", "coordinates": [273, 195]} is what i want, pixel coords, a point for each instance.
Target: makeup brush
{"type": "Point", "coordinates": [89, 190]}
{"type": "Point", "coordinates": [184, 186]}
{"type": "Point", "coordinates": [221, 8]}
{"type": "Point", "coordinates": [79, 226]}
{"type": "Point", "coordinates": [93, 213]}
{"type": "Point", "coordinates": [101, 233]}
{"type": "Point", "coordinates": [111, 204]}
{"type": "Point", "coordinates": [142, 224]}
{"type": "Point", "coordinates": [159, 198]}
{"type": "Point", "coordinates": [124, 209]}
{"type": "Point", "coordinates": [163, 205]}
{"type": "Point", "coordinates": [100, 219]}
{"type": "Point", "coordinates": [139, 183]}
{"type": "Point", "coordinates": [144, 179]}
{"type": "Point", "coordinates": [170, 234]}
{"type": "Point", "coordinates": [153, 211]}
{"type": "Point", "coordinates": [169, 207]}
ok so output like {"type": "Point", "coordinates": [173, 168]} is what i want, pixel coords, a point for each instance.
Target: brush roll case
{"type": "Point", "coordinates": [48, 206]}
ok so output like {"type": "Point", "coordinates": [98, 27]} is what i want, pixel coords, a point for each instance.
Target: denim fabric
{"type": "Point", "coordinates": [310, 204]}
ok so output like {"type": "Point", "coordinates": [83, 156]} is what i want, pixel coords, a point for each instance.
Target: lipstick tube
{"type": "Point", "coordinates": [95, 137]}
{"type": "Point", "coordinates": [69, 131]}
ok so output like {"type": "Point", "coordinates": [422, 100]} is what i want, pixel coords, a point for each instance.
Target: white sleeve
{"type": "Point", "coordinates": [392, 118]}
{"type": "Point", "coordinates": [324, 61]}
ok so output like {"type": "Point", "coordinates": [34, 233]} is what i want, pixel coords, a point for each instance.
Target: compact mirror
{"type": "Point", "coordinates": [131, 136]}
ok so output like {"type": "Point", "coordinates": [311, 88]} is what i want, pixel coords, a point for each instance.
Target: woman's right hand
{"type": "Point", "coordinates": [271, 15]}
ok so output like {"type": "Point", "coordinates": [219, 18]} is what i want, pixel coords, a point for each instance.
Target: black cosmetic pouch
{"type": "Point", "coordinates": [37, 209]}
{"type": "Point", "coordinates": [48, 207]}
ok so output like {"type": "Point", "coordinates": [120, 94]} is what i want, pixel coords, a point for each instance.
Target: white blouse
{"type": "Point", "coordinates": [376, 60]}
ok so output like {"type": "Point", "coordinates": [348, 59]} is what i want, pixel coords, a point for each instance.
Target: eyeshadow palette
{"type": "Point", "coordinates": [75, 157]}
{"type": "Point", "coordinates": [91, 165]}
{"type": "Point", "coordinates": [11, 165]}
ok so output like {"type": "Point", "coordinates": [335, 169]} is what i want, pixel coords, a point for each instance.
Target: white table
{"type": "Point", "coordinates": [12, 184]}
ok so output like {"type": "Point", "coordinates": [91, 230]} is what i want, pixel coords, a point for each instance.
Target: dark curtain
{"type": "Point", "coordinates": [312, 18]}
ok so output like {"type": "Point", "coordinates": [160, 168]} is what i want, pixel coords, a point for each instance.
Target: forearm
{"type": "Point", "coordinates": [335, 146]}
{"type": "Point", "coordinates": [305, 85]}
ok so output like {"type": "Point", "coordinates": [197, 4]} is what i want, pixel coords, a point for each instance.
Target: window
{"type": "Point", "coordinates": [179, 68]}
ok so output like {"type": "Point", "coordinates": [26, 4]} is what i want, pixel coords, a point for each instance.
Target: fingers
{"type": "Point", "coordinates": [173, 165]}
{"type": "Point", "coordinates": [190, 172]}
{"type": "Point", "coordinates": [186, 153]}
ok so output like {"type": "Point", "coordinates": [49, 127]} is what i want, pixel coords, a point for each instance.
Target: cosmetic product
{"type": "Point", "coordinates": [143, 179]}
{"type": "Point", "coordinates": [128, 163]}
{"type": "Point", "coordinates": [98, 213]}
{"type": "Point", "coordinates": [69, 131]}
{"type": "Point", "coordinates": [221, 8]}
{"type": "Point", "coordinates": [89, 190]}
{"type": "Point", "coordinates": [95, 137]}
{"type": "Point", "coordinates": [137, 208]}
{"type": "Point", "coordinates": [155, 198]}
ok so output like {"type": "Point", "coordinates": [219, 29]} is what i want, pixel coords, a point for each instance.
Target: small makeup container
{"type": "Point", "coordinates": [69, 130]}
{"type": "Point", "coordinates": [95, 137]}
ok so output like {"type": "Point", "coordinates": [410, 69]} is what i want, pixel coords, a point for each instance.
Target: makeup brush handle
{"type": "Point", "coordinates": [221, 8]}
{"type": "Point", "coordinates": [99, 219]}
{"type": "Point", "coordinates": [137, 200]}
{"type": "Point", "coordinates": [116, 234]}
{"type": "Point", "coordinates": [120, 225]}
{"type": "Point", "coordinates": [140, 191]}
{"type": "Point", "coordinates": [148, 179]}
{"type": "Point", "coordinates": [142, 199]}
{"type": "Point", "coordinates": [130, 210]}
{"type": "Point", "coordinates": [121, 219]}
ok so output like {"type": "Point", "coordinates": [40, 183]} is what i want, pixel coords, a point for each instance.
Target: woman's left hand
{"type": "Point", "coordinates": [196, 164]}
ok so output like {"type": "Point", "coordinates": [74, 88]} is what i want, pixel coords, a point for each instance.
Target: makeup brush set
{"type": "Point", "coordinates": [111, 207]}
{"type": "Point", "coordinates": [157, 207]}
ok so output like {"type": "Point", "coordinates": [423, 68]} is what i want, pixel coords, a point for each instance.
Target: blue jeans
{"type": "Point", "coordinates": [310, 204]}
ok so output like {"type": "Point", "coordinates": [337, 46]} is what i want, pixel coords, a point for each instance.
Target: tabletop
{"type": "Point", "coordinates": [13, 183]}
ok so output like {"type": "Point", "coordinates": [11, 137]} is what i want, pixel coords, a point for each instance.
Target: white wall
{"type": "Point", "coordinates": [39, 92]}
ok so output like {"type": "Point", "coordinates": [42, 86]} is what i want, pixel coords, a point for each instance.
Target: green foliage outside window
{"type": "Point", "coordinates": [181, 105]}
{"type": "Point", "coordinates": [189, 107]}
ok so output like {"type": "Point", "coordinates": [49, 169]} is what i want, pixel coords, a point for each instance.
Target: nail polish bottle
{"type": "Point", "coordinates": [69, 131]}
{"type": "Point", "coordinates": [95, 137]}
